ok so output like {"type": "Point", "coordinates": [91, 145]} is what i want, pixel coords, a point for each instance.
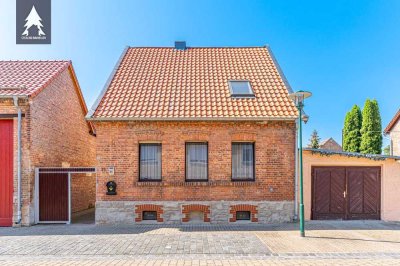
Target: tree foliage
{"type": "Point", "coordinates": [352, 130]}
{"type": "Point", "coordinates": [314, 140]}
{"type": "Point", "coordinates": [371, 130]}
{"type": "Point", "coordinates": [386, 150]}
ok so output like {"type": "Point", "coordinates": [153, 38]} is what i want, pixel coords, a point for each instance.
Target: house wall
{"type": "Point", "coordinates": [395, 138]}
{"type": "Point", "coordinates": [390, 180]}
{"type": "Point", "coordinates": [272, 192]}
{"type": "Point", "coordinates": [54, 133]}
{"type": "Point", "coordinates": [60, 137]}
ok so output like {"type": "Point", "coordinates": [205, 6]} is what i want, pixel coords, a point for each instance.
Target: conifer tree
{"type": "Point", "coordinates": [371, 130]}
{"type": "Point", "coordinates": [314, 140]}
{"type": "Point", "coordinates": [352, 130]}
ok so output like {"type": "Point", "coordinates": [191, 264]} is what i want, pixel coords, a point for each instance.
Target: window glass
{"type": "Point", "coordinates": [241, 88]}
{"type": "Point", "coordinates": [243, 161]}
{"type": "Point", "coordinates": [196, 161]}
{"type": "Point", "coordinates": [149, 215]}
{"type": "Point", "coordinates": [242, 215]}
{"type": "Point", "coordinates": [150, 162]}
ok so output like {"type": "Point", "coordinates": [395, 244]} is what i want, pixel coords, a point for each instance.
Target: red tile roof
{"type": "Point", "coordinates": [28, 77]}
{"type": "Point", "coordinates": [165, 83]}
{"type": "Point", "coordinates": [392, 123]}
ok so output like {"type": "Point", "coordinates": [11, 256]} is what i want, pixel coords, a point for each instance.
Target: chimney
{"type": "Point", "coordinates": [180, 45]}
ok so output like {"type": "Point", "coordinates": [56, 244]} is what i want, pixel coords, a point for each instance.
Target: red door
{"type": "Point", "coordinates": [53, 197]}
{"type": "Point", "coordinates": [6, 172]}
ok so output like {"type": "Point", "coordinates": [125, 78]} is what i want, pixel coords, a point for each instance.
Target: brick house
{"type": "Point", "coordinates": [393, 130]}
{"type": "Point", "coordinates": [42, 124]}
{"type": "Point", "coordinates": [192, 134]}
{"type": "Point", "coordinates": [330, 144]}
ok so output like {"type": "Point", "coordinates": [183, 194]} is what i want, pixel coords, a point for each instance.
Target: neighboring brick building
{"type": "Point", "coordinates": [330, 144]}
{"type": "Point", "coordinates": [195, 134]}
{"type": "Point", "coordinates": [54, 133]}
{"type": "Point", "coordinates": [393, 130]}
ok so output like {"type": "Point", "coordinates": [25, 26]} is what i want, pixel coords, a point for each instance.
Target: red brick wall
{"type": "Point", "coordinates": [118, 146]}
{"type": "Point", "coordinates": [54, 131]}
{"type": "Point", "coordinates": [60, 134]}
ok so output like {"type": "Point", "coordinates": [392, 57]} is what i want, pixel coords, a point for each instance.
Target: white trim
{"type": "Point", "coordinates": [189, 119]}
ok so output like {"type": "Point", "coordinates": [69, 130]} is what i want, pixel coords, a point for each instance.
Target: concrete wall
{"type": "Point", "coordinates": [390, 180]}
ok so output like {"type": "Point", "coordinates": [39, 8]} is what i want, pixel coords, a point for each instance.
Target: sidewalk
{"type": "Point", "coordinates": [326, 243]}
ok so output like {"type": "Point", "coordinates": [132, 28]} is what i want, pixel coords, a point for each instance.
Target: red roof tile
{"type": "Point", "coordinates": [165, 83]}
{"type": "Point", "coordinates": [28, 77]}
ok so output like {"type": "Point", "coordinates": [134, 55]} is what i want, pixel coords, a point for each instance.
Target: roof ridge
{"type": "Point", "coordinates": [197, 47]}
{"type": "Point", "coordinates": [24, 61]}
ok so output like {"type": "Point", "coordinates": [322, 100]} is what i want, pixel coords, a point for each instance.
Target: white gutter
{"type": "Point", "coordinates": [261, 119]}
{"type": "Point", "coordinates": [19, 216]}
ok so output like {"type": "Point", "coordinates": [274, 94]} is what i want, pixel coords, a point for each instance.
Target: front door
{"type": "Point", "coordinates": [6, 172]}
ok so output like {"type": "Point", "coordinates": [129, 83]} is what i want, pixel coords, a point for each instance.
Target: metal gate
{"type": "Point", "coordinates": [347, 193]}
{"type": "Point", "coordinates": [6, 172]}
{"type": "Point", "coordinates": [53, 193]}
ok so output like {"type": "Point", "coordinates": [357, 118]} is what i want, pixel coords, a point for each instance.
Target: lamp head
{"type": "Point", "coordinates": [305, 118]}
{"type": "Point", "coordinates": [299, 96]}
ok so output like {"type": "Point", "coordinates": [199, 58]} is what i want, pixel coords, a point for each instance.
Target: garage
{"type": "Point", "coordinates": [6, 172]}
{"type": "Point", "coordinates": [342, 185]}
{"type": "Point", "coordinates": [346, 193]}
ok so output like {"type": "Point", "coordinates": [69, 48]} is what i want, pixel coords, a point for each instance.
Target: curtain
{"type": "Point", "coordinates": [150, 161]}
{"type": "Point", "coordinates": [242, 161]}
{"type": "Point", "coordinates": [196, 161]}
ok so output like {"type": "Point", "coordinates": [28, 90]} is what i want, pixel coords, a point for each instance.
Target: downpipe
{"type": "Point", "coordinates": [19, 216]}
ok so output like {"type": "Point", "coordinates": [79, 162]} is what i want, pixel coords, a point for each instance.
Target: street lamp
{"type": "Point", "coordinates": [298, 98]}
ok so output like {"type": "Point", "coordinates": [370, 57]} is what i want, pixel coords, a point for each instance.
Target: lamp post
{"type": "Point", "coordinates": [298, 98]}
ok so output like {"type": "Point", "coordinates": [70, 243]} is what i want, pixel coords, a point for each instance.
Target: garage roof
{"type": "Point", "coordinates": [377, 157]}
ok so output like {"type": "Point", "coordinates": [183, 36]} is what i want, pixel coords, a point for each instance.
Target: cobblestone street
{"type": "Point", "coordinates": [327, 243]}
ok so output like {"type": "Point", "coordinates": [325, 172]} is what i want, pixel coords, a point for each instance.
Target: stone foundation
{"type": "Point", "coordinates": [123, 212]}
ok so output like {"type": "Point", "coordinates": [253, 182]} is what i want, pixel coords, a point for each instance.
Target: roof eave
{"type": "Point", "coordinates": [392, 123]}
{"type": "Point", "coordinates": [116, 119]}
{"type": "Point", "coordinates": [106, 85]}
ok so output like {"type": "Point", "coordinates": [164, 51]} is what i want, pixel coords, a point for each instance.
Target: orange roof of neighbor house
{"type": "Point", "coordinates": [192, 84]}
{"type": "Point", "coordinates": [393, 122]}
{"type": "Point", "coordinates": [29, 78]}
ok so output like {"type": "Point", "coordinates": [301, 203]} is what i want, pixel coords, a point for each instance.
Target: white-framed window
{"type": "Point", "coordinates": [150, 162]}
{"type": "Point", "coordinates": [241, 88]}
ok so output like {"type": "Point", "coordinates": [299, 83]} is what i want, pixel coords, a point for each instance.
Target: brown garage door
{"type": "Point", "coordinates": [53, 197]}
{"type": "Point", "coordinates": [346, 193]}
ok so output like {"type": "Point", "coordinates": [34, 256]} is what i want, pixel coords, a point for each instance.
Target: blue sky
{"type": "Point", "coordinates": [342, 51]}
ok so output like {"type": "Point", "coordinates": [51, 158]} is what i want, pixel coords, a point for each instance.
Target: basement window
{"type": "Point", "coordinates": [242, 216]}
{"type": "Point", "coordinates": [241, 88]}
{"type": "Point", "coordinates": [149, 215]}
